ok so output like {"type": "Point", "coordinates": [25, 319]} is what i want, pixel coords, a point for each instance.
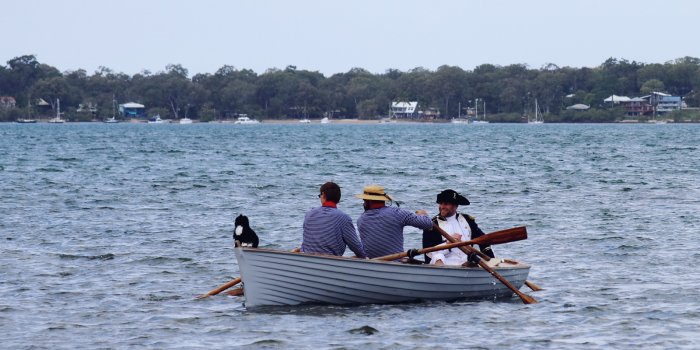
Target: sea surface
{"type": "Point", "coordinates": [108, 232]}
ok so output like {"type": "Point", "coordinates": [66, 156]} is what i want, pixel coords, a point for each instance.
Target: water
{"type": "Point", "coordinates": [109, 231]}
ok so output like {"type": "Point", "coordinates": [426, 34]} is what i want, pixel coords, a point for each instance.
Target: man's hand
{"type": "Point", "coordinates": [421, 212]}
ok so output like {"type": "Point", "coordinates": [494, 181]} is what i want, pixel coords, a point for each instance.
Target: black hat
{"type": "Point", "coordinates": [451, 196]}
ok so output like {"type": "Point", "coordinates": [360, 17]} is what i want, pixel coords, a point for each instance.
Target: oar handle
{"type": "Point", "coordinates": [498, 237]}
{"type": "Point", "coordinates": [423, 251]}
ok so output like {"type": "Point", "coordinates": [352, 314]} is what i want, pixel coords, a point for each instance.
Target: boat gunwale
{"type": "Point", "coordinates": [517, 266]}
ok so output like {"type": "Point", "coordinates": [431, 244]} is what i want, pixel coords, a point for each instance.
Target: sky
{"type": "Point", "coordinates": [331, 37]}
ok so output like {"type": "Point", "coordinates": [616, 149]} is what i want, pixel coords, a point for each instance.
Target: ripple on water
{"type": "Point", "coordinates": [108, 238]}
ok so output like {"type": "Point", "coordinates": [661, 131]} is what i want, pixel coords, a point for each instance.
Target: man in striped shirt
{"type": "Point", "coordinates": [381, 227]}
{"type": "Point", "coordinates": [327, 230]}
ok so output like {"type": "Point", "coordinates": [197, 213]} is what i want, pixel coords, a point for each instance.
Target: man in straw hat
{"type": "Point", "coordinates": [461, 226]}
{"type": "Point", "coordinates": [327, 230]}
{"type": "Point", "coordinates": [381, 227]}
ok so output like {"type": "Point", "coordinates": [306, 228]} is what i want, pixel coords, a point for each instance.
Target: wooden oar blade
{"type": "Point", "coordinates": [221, 288]}
{"type": "Point", "coordinates": [533, 286]}
{"type": "Point", "coordinates": [503, 236]}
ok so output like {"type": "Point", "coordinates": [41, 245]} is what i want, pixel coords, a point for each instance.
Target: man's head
{"type": "Point", "coordinates": [449, 201]}
{"type": "Point", "coordinates": [374, 196]}
{"type": "Point", "coordinates": [330, 191]}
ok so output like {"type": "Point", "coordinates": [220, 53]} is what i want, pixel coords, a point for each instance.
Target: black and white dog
{"type": "Point", "coordinates": [243, 233]}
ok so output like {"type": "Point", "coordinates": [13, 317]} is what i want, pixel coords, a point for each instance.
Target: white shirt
{"type": "Point", "coordinates": [453, 226]}
{"type": "Point", "coordinates": [452, 256]}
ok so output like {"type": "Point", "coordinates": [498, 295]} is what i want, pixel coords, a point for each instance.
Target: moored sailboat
{"type": "Point", "coordinates": [57, 119]}
{"type": "Point", "coordinates": [538, 119]}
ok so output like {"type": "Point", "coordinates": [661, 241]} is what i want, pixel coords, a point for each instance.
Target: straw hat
{"type": "Point", "coordinates": [374, 193]}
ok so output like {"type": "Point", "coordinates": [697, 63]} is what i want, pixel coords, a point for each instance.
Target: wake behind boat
{"type": "Point", "coordinates": [274, 277]}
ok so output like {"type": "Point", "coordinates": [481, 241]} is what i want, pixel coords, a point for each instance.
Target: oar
{"type": "Point", "coordinates": [221, 288]}
{"type": "Point", "coordinates": [498, 237]}
{"type": "Point", "coordinates": [235, 292]}
{"type": "Point", "coordinates": [468, 248]}
{"type": "Point", "coordinates": [532, 286]}
{"type": "Point", "coordinates": [529, 284]}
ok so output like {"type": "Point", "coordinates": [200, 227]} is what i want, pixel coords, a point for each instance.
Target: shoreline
{"type": "Point", "coordinates": [350, 122]}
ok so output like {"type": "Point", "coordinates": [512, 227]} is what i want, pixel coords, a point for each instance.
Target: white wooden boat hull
{"type": "Point", "coordinates": [273, 277]}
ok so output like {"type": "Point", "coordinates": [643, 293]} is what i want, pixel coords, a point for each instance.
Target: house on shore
{"type": "Point", "coordinates": [404, 110]}
{"type": "Point", "coordinates": [658, 103]}
{"type": "Point", "coordinates": [132, 110]}
{"type": "Point", "coordinates": [664, 103]}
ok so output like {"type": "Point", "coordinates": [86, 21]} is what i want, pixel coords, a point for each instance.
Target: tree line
{"type": "Point", "coordinates": [508, 91]}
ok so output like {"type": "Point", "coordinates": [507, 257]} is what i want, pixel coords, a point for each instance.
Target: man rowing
{"type": "Point", "coordinates": [381, 227]}
{"type": "Point", "coordinates": [460, 226]}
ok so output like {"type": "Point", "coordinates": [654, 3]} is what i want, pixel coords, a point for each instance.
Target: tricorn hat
{"type": "Point", "coordinates": [451, 196]}
{"type": "Point", "coordinates": [374, 193]}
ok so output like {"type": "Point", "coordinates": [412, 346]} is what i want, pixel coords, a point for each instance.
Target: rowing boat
{"type": "Point", "coordinates": [273, 277]}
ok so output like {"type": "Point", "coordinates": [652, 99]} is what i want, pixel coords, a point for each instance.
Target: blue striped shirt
{"type": "Point", "coordinates": [381, 230]}
{"type": "Point", "coordinates": [327, 231]}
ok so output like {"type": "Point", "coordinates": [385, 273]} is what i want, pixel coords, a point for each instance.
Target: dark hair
{"type": "Point", "coordinates": [332, 191]}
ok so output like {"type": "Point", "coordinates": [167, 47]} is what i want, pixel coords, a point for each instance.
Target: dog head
{"type": "Point", "coordinates": [243, 233]}
{"type": "Point", "coordinates": [241, 221]}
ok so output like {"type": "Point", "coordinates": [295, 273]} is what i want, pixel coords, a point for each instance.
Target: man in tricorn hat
{"type": "Point", "coordinates": [461, 226]}
{"type": "Point", "coordinates": [381, 227]}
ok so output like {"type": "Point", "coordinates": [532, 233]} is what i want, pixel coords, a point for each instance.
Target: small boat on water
{"type": "Point", "coordinates": [156, 120]}
{"type": "Point", "coordinates": [26, 121]}
{"type": "Point", "coordinates": [246, 120]}
{"type": "Point", "coordinates": [325, 120]}
{"type": "Point", "coordinates": [185, 120]}
{"type": "Point", "coordinates": [273, 277]}
{"type": "Point", "coordinates": [305, 121]}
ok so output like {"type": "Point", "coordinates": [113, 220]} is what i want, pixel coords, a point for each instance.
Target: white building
{"type": "Point", "coordinates": [404, 109]}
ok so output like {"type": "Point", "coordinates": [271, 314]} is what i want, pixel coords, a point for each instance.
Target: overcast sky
{"type": "Point", "coordinates": [334, 36]}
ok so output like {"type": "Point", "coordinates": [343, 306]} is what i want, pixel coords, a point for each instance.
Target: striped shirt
{"type": "Point", "coordinates": [381, 230]}
{"type": "Point", "coordinates": [328, 230]}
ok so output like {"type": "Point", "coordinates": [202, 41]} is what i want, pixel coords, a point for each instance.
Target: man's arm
{"type": "Point", "coordinates": [418, 221]}
{"type": "Point", "coordinates": [350, 238]}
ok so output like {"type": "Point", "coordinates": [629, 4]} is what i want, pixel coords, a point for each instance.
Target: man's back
{"type": "Point", "coordinates": [327, 230]}
{"type": "Point", "coordinates": [381, 230]}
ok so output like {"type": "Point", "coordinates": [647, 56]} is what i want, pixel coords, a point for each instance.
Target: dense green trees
{"type": "Point", "coordinates": [508, 91]}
